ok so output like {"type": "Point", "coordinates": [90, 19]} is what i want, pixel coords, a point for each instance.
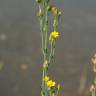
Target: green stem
{"type": "Point", "coordinates": [55, 27]}
{"type": "Point", "coordinates": [42, 37]}
{"type": "Point", "coordinates": [55, 23]}
{"type": "Point", "coordinates": [45, 37]}
{"type": "Point", "coordinates": [51, 51]}
{"type": "Point", "coordinates": [41, 19]}
{"type": "Point", "coordinates": [46, 28]}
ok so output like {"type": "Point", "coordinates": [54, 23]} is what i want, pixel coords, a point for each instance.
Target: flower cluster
{"type": "Point", "coordinates": [51, 85]}
{"type": "Point", "coordinates": [49, 82]}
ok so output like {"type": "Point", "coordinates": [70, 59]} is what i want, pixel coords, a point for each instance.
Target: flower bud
{"type": "Point", "coordinates": [40, 14]}
{"type": "Point", "coordinates": [59, 13]}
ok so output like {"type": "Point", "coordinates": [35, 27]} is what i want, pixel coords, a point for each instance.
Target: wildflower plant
{"type": "Point", "coordinates": [93, 86]}
{"type": "Point", "coordinates": [49, 86]}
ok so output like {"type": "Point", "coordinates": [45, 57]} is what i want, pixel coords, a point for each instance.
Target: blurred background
{"type": "Point", "coordinates": [20, 53]}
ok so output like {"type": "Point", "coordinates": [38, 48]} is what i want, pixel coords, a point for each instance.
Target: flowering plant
{"type": "Point", "coordinates": [49, 87]}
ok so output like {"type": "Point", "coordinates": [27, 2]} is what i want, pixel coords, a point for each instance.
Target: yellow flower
{"type": "Point", "coordinates": [51, 83]}
{"type": "Point", "coordinates": [46, 78]}
{"type": "Point", "coordinates": [54, 35]}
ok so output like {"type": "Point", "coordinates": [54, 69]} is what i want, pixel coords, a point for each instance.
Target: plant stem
{"type": "Point", "coordinates": [41, 19]}
{"type": "Point", "coordinates": [45, 37]}
{"type": "Point", "coordinates": [51, 51]}
{"type": "Point", "coordinates": [46, 28]}
{"type": "Point", "coordinates": [55, 23]}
